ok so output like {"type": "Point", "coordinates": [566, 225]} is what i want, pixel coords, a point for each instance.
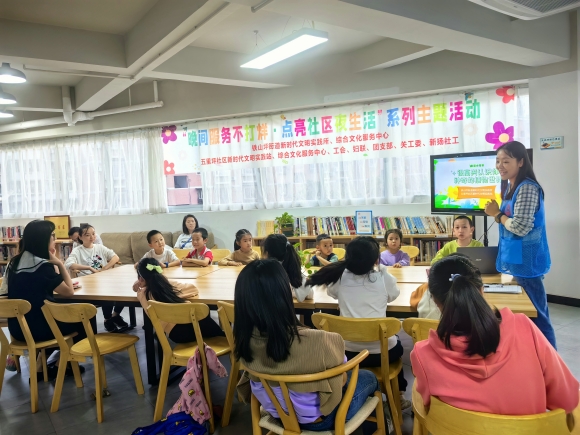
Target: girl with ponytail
{"type": "Point", "coordinates": [152, 285]}
{"type": "Point", "coordinates": [243, 252]}
{"type": "Point", "coordinates": [277, 246]}
{"type": "Point", "coordinates": [483, 359]}
{"type": "Point", "coordinates": [363, 288]}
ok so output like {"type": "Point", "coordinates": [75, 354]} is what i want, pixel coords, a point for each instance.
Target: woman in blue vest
{"type": "Point", "coordinates": [523, 245]}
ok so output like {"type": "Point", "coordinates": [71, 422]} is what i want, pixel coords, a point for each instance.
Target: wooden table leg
{"type": "Point", "coordinates": [132, 317]}
{"type": "Point", "coordinates": [152, 377]}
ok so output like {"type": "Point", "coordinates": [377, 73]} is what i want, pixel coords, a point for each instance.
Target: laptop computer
{"type": "Point", "coordinates": [483, 258]}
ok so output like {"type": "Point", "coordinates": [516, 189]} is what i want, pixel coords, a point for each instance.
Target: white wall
{"type": "Point", "coordinates": [554, 112]}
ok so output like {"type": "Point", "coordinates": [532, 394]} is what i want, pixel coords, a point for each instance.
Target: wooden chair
{"type": "Point", "coordinates": [10, 308]}
{"type": "Point", "coordinates": [95, 346]}
{"type": "Point", "coordinates": [180, 354]}
{"type": "Point", "coordinates": [182, 253]}
{"type": "Point", "coordinates": [226, 316]}
{"type": "Point", "coordinates": [443, 419]}
{"type": "Point", "coordinates": [340, 252]}
{"type": "Point", "coordinates": [219, 254]}
{"type": "Point", "coordinates": [288, 422]}
{"type": "Point", "coordinates": [411, 251]}
{"type": "Point", "coordinates": [419, 329]}
{"type": "Point", "coordinates": [368, 330]}
{"type": "Point", "coordinates": [258, 249]}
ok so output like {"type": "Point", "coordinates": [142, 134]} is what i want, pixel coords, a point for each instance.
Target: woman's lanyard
{"type": "Point", "coordinates": [183, 244]}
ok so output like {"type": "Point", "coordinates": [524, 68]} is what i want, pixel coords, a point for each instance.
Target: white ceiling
{"type": "Point", "coordinates": [236, 33]}
{"type": "Point", "coordinates": [108, 16]}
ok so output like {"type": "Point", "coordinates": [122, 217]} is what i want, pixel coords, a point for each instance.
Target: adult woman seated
{"type": "Point", "coordinates": [31, 276]}
{"type": "Point", "coordinates": [269, 339]}
{"type": "Point", "coordinates": [187, 226]}
{"type": "Point", "coordinates": [487, 360]}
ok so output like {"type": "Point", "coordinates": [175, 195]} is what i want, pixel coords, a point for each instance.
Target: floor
{"type": "Point", "coordinates": [125, 410]}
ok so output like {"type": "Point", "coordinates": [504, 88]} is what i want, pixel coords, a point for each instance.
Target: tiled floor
{"type": "Point", "coordinates": [125, 410]}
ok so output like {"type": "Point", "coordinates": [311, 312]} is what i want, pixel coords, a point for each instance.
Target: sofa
{"type": "Point", "coordinates": [130, 247]}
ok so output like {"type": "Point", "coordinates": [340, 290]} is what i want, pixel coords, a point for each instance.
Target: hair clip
{"type": "Point", "coordinates": [152, 267]}
{"type": "Point", "coordinates": [453, 276]}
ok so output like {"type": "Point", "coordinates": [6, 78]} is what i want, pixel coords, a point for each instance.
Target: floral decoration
{"type": "Point", "coordinates": [168, 133]}
{"type": "Point", "coordinates": [508, 93]}
{"type": "Point", "coordinates": [500, 135]}
{"type": "Point", "coordinates": [168, 168]}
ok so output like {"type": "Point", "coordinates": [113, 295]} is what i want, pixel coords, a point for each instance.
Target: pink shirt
{"type": "Point", "coordinates": [525, 375]}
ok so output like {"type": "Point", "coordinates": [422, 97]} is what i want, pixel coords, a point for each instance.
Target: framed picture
{"type": "Point", "coordinates": [364, 222]}
{"type": "Point", "coordinates": [62, 225]}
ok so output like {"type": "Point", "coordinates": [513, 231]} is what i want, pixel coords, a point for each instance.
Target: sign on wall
{"type": "Point", "coordinates": [434, 124]}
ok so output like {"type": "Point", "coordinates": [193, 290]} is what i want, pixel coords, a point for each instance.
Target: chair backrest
{"type": "Point", "coordinates": [219, 254]}
{"type": "Point", "coordinates": [340, 252]}
{"type": "Point", "coordinates": [444, 419]}
{"type": "Point", "coordinates": [71, 313]}
{"type": "Point", "coordinates": [419, 329]}
{"type": "Point", "coordinates": [181, 253]}
{"type": "Point", "coordinates": [10, 308]}
{"type": "Point", "coordinates": [258, 249]}
{"type": "Point", "coordinates": [289, 419]}
{"type": "Point", "coordinates": [178, 314]}
{"type": "Point", "coordinates": [411, 251]}
{"type": "Point", "coordinates": [361, 330]}
{"type": "Point", "coordinates": [226, 316]}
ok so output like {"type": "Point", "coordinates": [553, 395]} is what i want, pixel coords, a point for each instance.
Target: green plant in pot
{"type": "Point", "coordinates": [285, 224]}
{"type": "Point", "coordinates": [304, 259]}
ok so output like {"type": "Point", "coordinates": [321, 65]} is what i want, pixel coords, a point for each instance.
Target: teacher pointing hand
{"type": "Point", "coordinates": [523, 245]}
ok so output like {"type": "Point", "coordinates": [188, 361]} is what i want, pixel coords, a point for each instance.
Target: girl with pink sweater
{"type": "Point", "coordinates": [487, 360]}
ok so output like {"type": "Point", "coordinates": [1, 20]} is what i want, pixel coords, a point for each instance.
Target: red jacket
{"type": "Point", "coordinates": [524, 376]}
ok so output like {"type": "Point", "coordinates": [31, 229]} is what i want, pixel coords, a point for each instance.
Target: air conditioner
{"type": "Point", "coordinates": [528, 9]}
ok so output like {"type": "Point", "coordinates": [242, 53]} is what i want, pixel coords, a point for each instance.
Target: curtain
{"type": "Point", "coordinates": [102, 174]}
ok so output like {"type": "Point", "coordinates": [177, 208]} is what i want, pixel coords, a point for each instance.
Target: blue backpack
{"type": "Point", "coordinates": [175, 424]}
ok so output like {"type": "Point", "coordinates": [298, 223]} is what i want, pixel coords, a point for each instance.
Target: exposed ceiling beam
{"type": "Point", "coordinates": [389, 52]}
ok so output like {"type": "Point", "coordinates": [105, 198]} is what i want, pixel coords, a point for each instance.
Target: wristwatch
{"type": "Point", "coordinates": [498, 217]}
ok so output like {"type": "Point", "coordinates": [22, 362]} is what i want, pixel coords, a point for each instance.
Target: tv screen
{"type": "Point", "coordinates": [464, 183]}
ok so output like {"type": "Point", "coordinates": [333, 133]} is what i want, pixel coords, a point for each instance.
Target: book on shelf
{"type": "Point", "coordinates": [65, 250]}
{"type": "Point", "coordinates": [413, 225]}
{"type": "Point", "coordinates": [428, 249]}
{"type": "Point", "coordinates": [11, 232]}
{"type": "Point", "coordinates": [7, 252]}
{"type": "Point", "coordinates": [265, 228]}
{"type": "Point", "coordinates": [331, 225]}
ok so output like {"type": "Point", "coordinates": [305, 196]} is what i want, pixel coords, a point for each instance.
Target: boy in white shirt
{"type": "Point", "coordinates": [160, 251]}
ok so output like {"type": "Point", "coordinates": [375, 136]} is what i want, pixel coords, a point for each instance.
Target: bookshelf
{"type": "Point", "coordinates": [9, 248]}
{"type": "Point", "coordinates": [418, 240]}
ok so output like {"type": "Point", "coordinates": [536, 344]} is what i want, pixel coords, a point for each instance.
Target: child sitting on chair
{"type": "Point", "coordinates": [393, 256]}
{"type": "Point", "coordinates": [201, 255]}
{"type": "Point", "coordinates": [243, 252]}
{"type": "Point", "coordinates": [323, 254]}
{"type": "Point", "coordinates": [160, 251]}
{"type": "Point", "coordinates": [463, 229]}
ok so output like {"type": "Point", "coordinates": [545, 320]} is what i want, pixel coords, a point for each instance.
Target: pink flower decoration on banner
{"type": "Point", "coordinates": [507, 92]}
{"type": "Point", "coordinates": [168, 133]}
{"type": "Point", "coordinates": [168, 168]}
{"type": "Point", "coordinates": [500, 135]}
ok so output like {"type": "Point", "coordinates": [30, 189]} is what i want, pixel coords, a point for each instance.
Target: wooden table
{"type": "Point", "coordinates": [217, 283]}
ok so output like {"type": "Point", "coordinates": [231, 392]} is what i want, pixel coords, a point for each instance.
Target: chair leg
{"type": "Point", "coordinates": [59, 382]}
{"type": "Point", "coordinates": [103, 374]}
{"type": "Point", "coordinates": [136, 369]}
{"type": "Point", "coordinates": [418, 428]}
{"type": "Point", "coordinates": [3, 356]}
{"type": "Point", "coordinates": [380, 415]}
{"type": "Point", "coordinates": [255, 409]}
{"type": "Point", "coordinates": [232, 382]}
{"type": "Point", "coordinates": [33, 383]}
{"type": "Point", "coordinates": [77, 374]}
{"type": "Point", "coordinates": [392, 406]}
{"type": "Point", "coordinates": [163, 378]}
{"type": "Point", "coordinates": [207, 395]}
{"type": "Point", "coordinates": [397, 394]}
{"type": "Point", "coordinates": [17, 363]}
{"type": "Point", "coordinates": [44, 365]}
{"type": "Point", "coordinates": [97, 362]}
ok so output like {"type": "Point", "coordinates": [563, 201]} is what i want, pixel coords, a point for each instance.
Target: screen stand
{"type": "Point", "coordinates": [485, 240]}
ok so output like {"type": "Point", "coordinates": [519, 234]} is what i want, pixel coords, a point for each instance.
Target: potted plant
{"type": "Point", "coordinates": [285, 224]}
{"type": "Point", "coordinates": [304, 259]}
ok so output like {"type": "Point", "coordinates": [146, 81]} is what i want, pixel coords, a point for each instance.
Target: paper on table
{"type": "Point", "coordinates": [500, 288]}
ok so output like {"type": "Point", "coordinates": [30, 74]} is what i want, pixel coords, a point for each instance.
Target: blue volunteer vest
{"type": "Point", "coordinates": [528, 256]}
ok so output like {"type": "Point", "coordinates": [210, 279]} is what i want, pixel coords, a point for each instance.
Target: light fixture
{"type": "Point", "coordinates": [6, 98]}
{"type": "Point", "coordinates": [289, 46]}
{"type": "Point", "coordinates": [6, 113]}
{"type": "Point", "coordinates": [11, 75]}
